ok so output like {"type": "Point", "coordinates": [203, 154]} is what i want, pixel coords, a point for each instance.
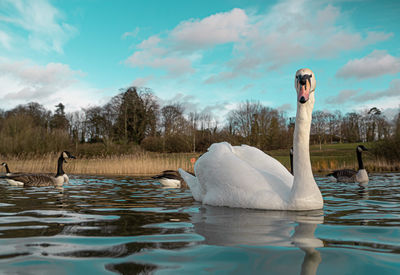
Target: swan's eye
{"type": "Point", "coordinates": [302, 79]}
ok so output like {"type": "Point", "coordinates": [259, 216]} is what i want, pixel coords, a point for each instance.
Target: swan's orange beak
{"type": "Point", "coordinates": [303, 94]}
{"type": "Point", "coordinates": [304, 91]}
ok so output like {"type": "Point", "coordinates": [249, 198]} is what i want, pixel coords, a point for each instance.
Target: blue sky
{"type": "Point", "coordinates": [208, 55]}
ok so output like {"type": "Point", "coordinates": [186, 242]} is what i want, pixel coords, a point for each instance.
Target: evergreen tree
{"type": "Point", "coordinates": [131, 120]}
{"type": "Point", "coordinates": [59, 121]}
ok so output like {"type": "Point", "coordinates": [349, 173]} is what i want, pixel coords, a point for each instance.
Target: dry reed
{"type": "Point", "coordinates": [377, 165]}
{"type": "Point", "coordinates": [137, 164]}
{"type": "Point", "coordinates": [152, 163]}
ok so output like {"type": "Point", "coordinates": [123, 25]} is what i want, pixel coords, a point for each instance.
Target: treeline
{"type": "Point", "coordinates": [134, 120]}
{"type": "Point", "coordinates": [389, 148]}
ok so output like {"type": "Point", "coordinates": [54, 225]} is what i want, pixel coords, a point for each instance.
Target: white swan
{"type": "Point", "coordinates": [245, 177]}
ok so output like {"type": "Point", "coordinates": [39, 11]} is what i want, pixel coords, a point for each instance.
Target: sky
{"type": "Point", "coordinates": [207, 55]}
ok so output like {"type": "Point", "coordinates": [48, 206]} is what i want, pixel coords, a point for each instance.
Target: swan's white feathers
{"type": "Point", "coordinates": [258, 179]}
{"type": "Point", "coordinates": [193, 184]}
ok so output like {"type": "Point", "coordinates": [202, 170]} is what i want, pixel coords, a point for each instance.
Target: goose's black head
{"type": "Point", "coordinates": [66, 155]}
{"type": "Point", "coordinates": [361, 148]}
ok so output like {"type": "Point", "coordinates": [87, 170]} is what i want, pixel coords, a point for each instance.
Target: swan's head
{"type": "Point", "coordinates": [305, 84]}
{"type": "Point", "coordinates": [66, 155]}
{"type": "Point", "coordinates": [361, 148]}
{"type": "Point", "coordinates": [4, 164]}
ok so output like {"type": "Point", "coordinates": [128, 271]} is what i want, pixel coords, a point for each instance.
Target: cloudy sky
{"type": "Point", "coordinates": [208, 55]}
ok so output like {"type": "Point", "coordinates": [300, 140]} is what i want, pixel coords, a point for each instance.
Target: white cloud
{"type": "Point", "coordinates": [343, 97]}
{"type": "Point", "coordinates": [23, 81]}
{"type": "Point", "coordinates": [213, 30]}
{"type": "Point", "coordinates": [375, 64]}
{"type": "Point", "coordinates": [174, 65]}
{"type": "Point", "coordinates": [176, 52]}
{"type": "Point", "coordinates": [141, 81]}
{"type": "Point", "coordinates": [5, 40]}
{"type": "Point", "coordinates": [133, 33]}
{"type": "Point", "coordinates": [150, 43]}
{"type": "Point", "coordinates": [392, 92]}
{"type": "Point", "coordinates": [388, 98]}
{"type": "Point", "coordinates": [289, 32]}
{"type": "Point", "coordinates": [42, 21]}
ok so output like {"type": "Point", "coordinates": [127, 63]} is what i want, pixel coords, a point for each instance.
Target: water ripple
{"type": "Point", "coordinates": [132, 225]}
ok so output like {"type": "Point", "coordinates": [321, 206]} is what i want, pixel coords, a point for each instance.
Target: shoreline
{"type": "Point", "coordinates": [141, 167]}
{"type": "Point", "coordinates": [330, 157]}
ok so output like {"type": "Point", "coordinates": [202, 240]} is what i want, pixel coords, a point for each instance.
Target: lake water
{"type": "Point", "coordinates": [126, 225]}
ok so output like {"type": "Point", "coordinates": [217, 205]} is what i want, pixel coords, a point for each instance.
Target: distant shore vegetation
{"type": "Point", "coordinates": [134, 124]}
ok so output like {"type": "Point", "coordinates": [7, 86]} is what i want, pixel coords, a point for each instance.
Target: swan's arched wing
{"type": "Point", "coordinates": [235, 179]}
{"type": "Point", "coordinates": [264, 163]}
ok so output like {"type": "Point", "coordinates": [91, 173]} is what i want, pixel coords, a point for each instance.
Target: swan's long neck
{"type": "Point", "coordinates": [360, 161]}
{"type": "Point", "coordinates": [304, 189]}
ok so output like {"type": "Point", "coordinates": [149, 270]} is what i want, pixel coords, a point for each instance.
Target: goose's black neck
{"type": "Point", "coordinates": [291, 163]}
{"type": "Point", "coordinates": [359, 158]}
{"type": "Point", "coordinates": [60, 170]}
{"type": "Point", "coordinates": [7, 170]}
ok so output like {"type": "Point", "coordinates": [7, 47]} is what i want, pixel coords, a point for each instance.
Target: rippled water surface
{"type": "Point", "coordinates": [103, 225]}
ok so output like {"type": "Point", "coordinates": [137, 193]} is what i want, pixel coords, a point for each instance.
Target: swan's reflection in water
{"type": "Point", "coordinates": [234, 226]}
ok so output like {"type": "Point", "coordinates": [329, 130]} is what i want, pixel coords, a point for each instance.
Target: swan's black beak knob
{"type": "Point", "coordinates": [302, 100]}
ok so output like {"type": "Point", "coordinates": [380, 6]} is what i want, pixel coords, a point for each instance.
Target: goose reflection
{"type": "Point", "coordinates": [234, 226]}
{"type": "Point", "coordinates": [363, 191]}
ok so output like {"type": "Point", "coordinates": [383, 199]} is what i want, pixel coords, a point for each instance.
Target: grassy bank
{"type": "Point", "coordinates": [330, 157]}
{"type": "Point", "coordinates": [340, 156]}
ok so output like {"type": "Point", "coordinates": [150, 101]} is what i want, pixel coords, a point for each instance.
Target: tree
{"type": "Point", "coordinates": [194, 119]}
{"type": "Point", "coordinates": [77, 130]}
{"type": "Point", "coordinates": [152, 110]}
{"type": "Point", "coordinates": [397, 126]}
{"type": "Point", "coordinates": [243, 119]}
{"type": "Point", "coordinates": [40, 116]}
{"type": "Point", "coordinates": [131, 122]}
{"type": "Point", "coordinates": [351, 127]}
{"type": "Point", "coordinates": [258, 125]}
{"type": "Point", "coordinates": [172, 119]}
{"type": "Point", "coordinates": [58, 120]}
{"type": "Point", "coordinates": [319, 126]}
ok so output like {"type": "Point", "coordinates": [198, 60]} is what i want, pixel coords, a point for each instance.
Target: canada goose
{"type": "Point", "coordinates": [171, 178]}
{"type": "Point", "coordinates": [27, 179]}
{"type": "Point", "coordinates": [245, 177]}
{"type": "Point", "coordinates": [8, 173]}
{"type": "Point", "coordinates": [349, 175]}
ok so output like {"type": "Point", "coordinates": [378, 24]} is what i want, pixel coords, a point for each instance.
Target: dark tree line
{"type": "Point", "coordinates": [135, 118]}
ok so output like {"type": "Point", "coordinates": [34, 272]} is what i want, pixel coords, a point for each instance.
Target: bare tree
{"type": "Point", "coordinates": [172, 119]}
{"type": "Point", "coordinates": [319, 126]}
